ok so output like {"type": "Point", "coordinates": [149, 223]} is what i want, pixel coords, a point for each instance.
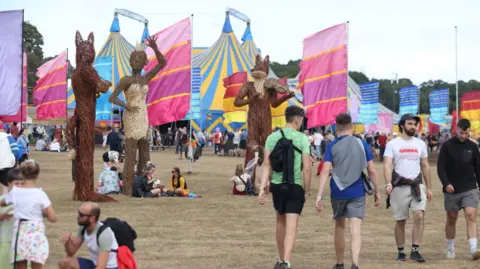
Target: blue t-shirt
{"type": "Point", "coordinates": [356, 190]}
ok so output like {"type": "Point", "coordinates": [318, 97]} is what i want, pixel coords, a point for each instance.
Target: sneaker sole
{"type": "Point", "coordinates": [419, 261]}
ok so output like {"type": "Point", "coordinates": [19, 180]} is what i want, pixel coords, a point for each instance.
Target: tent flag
{"type": "Point", "coordinates": [50, 92]}
{"type": "Point", "coordinates": [168, 98]}
{"type": "Point", "coordinates": [470, 109]}
{"type": "Point", "coordinates": [20, 117]}
{"type": "Point", "coordinates": [408, 100]}
{"type": "Point", "coordinates": [369, 106]}
{"type": "Point", "coordinates": [104, 66]}
{"type": "Point", "coordinates": [323, 75]}
{"type": "Point", "coordinates": [11, 50]}
{"type": "Point", "coordinates": [233, 84]}
{"type": "Point", "coordinates": [195, 113]}
{"type": "Point", "coordinates": [438, 106]}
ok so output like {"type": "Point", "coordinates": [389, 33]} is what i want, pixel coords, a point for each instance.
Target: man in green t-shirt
{"type": "Point", "coordinates": [288, 199]}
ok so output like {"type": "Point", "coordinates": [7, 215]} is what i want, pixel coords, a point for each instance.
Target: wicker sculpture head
{"type": "Point", "coordinates": [138, 58]}
{"type": "Point", "coordinates": [85, 50]}
{"type": "Point", "coordinates": [261, 68]}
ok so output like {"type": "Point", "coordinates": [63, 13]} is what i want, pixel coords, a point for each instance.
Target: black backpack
{"type": "Point", "coordinates": [124, 233]}
{"type": "Point", "coordinates": [282, 158]}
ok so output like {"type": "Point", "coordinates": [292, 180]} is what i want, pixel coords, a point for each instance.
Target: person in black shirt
{"type": "Point", "coordinates": [114, 141]}
{"type": "Point", "coordinates": [459, 171]}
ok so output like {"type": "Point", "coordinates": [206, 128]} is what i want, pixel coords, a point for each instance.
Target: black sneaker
{"type": "Point", "coordinates": [338, 266]}
{"type": "Point", "coordinates": [277, 265]}
{"type": "Point", "coordinates": [284, 265]}
{"type": "Point", "coordinates": [354, 266]}
{"type": "Point", "coordinates": [401, 256]}
{"type": "Point", "coordinates": [416, 256]}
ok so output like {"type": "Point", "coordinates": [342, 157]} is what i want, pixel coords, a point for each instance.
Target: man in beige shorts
{"type": "Point", "coordinates": [405, 160]}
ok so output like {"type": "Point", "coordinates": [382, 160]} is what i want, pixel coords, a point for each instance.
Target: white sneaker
{"type": "Point", "coordinates": [475, 254]}
{"type": "Point", "coordinates": [450, 254]}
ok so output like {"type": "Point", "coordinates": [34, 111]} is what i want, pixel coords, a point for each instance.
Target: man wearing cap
{"type": "Point", "coordinates": [459, 171]}
{"type": "Point", "coordinates": [405, 159]}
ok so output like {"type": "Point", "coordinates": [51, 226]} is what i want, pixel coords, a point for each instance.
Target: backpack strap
{"type": "Point", "coordinates": [244, 183]}
{"type": "Point", "coordinates": [100, 230]}
{"type": "Point", "coordinates": [295, 148]}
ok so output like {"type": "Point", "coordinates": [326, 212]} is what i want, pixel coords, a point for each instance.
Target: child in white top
{"type": "Point", "coordinates": [31, 204]}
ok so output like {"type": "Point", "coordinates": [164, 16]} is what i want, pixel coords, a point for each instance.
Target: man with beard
{"type": "Point", "coordinates": [100, 252]}
{"type": "Point", "coordinates": [459, 171]}
{"type": "Point", "coordinates": [405, 159]}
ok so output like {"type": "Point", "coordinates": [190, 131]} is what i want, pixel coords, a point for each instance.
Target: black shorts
{"type": "Point", "coordinates": [288, 199]}
{"type": "Point", "coordinates": [243, 144]}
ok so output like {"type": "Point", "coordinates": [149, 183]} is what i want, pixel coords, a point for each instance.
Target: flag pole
{"type": "Point", "coordinates": [21, 74]}
{"type": "Point", "coordinates": [456, 72]}
{"type": "Point", "coordinates": [190, 134]}
{"type": "Point", "coordinates": [111, 105]}
{"type": "Point", "coordinates": [66, 96]}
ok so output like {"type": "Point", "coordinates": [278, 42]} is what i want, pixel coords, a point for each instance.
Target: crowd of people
{"type": "Point", "coordinates": [282, 168]}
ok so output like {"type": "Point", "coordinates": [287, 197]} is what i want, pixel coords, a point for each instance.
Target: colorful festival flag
{"type": "Point", "coordinates": [323, 75]}
{"type": "Point", "coordinates": [21, 115]}
{"type": "Point", "coordinates": [50, 92]}
{"type": "Point", "coordinates": [233, 84]}
{"type": "Point", "coordinates": [438, 106]}
{"type": "Point", "coordinates": [278, 113]}
{"type": "Point", "coordinates": [11, 50]}
{"type": "Point", "coordinates": [168, 98]}
{"type": "Point", "coordinates": [470, 110]}
{"type": "Point", "coordinates": [408, 100]}
{"type": "Point", "coordinates": [369, 106]}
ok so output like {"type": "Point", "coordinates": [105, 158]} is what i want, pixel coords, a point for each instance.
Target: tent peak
{"type": "Point", "coordinates": [227, 27]}
{"type": "Point", "coordinates": [115, 25]}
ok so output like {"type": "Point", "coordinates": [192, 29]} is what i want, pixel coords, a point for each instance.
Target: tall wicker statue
{"type": "Point", "coordinates": [87, 86]}
{"type": "Point", "coordinates": [135, 88]}
{"type": "Point", "coordinates": [259, 95]}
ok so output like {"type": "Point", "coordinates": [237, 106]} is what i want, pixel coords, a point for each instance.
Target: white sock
{"type": "Point", "coordinates": [450, 244]}
{"type": "Point", "coordinates": [473, 243]}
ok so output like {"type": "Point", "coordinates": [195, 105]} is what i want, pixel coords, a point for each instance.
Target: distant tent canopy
{"type": "Point", "coordinates": [117, 47]}
{"type": "Point", "coordinates": [219, 61]}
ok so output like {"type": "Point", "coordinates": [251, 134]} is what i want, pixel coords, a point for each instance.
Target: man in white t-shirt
{"type": "Point", "coordinates": [101, 254]}
{"type": "Point", "coordinates": [405, 160]}
{"type": "Point", "coordinates": [317, 141]}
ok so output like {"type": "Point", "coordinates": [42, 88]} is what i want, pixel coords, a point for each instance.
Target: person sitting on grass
{"type": "Point", "coordinates": [242, 184]}
{"type": "Point", "coordinates": [178, 185]}
{"type": "Point", "coordinates": [142, 188]}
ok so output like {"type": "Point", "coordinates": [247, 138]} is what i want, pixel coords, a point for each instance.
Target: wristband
{"type": "Point", "coordinates": [386, 185]}
{"type": "Point", "coordinates": [320, 197]}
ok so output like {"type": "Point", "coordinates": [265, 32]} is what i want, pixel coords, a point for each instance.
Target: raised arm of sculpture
{"type": "Point", "coordinates": [161, 62]}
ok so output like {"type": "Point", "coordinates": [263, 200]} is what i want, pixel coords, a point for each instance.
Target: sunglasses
{"type": "Point", "coordinates": [174, 171]}
{"type": "Point", "coordinates": [81, 215]}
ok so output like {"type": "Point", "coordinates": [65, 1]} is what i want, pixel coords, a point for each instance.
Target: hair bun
{"type": "Point", "coordinates": [30, 169]}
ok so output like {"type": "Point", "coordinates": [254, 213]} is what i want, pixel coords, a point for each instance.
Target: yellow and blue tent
{"type": "Point", "coordinates": [248, 44]}
{"type": "Point", "coordinates": [119, 49]}
{"type": "Point", "coordinates": [219, 61]}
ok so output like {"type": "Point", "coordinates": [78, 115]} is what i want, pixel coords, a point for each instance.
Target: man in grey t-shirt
{"type": "Point", "coordinates": [101, 254]}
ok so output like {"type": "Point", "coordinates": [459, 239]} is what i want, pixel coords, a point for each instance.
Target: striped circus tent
{"type": "Point", "coordinates": [117, 47]}
{"type": "Point", "coordinates": [219, 61]}
{"type": "Point", "coordinates": [248, 44]}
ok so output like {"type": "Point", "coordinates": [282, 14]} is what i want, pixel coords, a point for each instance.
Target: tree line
{"type": "Point", "coordinates": [388, 89]}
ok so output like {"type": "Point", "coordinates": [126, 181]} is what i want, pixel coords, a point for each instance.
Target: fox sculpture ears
{"type": "Point", "coordinates": [79, 39]}
{"type": "Point", "coordinates": [262, 65]}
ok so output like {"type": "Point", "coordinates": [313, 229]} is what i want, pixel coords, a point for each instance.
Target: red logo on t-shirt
{"type": "Point", "coordinates": [409, 150]}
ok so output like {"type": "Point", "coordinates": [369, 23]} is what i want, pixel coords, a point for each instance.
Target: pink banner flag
{"type": "Point", "coordinates": [168, 98]}
{"type": "Point", "coordinates": [50, 92]}
{"type": "Point", "coordinates": [384, 125]}
{"type": "Point", "coordinates": [323, 75]}
{"type": "Point", "coordinates": [21, 115]}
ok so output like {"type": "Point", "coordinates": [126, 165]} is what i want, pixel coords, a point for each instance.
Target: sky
{"type": "Point", "coordinates": [413, 38]}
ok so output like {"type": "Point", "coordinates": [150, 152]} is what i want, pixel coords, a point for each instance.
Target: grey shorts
{"type": "Point", "coordinates": [402, 201]}
{"type": "Point", "coordinates": [352, 208]}
{"type": "Point", "coordinates": [457, 201]}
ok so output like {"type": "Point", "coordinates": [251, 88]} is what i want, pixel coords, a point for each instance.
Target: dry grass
{"type": "Point", "coordinates": [222, 231]}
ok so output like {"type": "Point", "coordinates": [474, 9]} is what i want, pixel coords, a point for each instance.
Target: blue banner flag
{"type": "Point", "coordinates": [368, 113]}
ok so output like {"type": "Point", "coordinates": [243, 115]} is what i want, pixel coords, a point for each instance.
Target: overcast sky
{"type": "Point", "coordinates": [414, 38]}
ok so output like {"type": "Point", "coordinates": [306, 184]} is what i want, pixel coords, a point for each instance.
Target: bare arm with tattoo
{"type": "Point", "coordinates": [152, 43]}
